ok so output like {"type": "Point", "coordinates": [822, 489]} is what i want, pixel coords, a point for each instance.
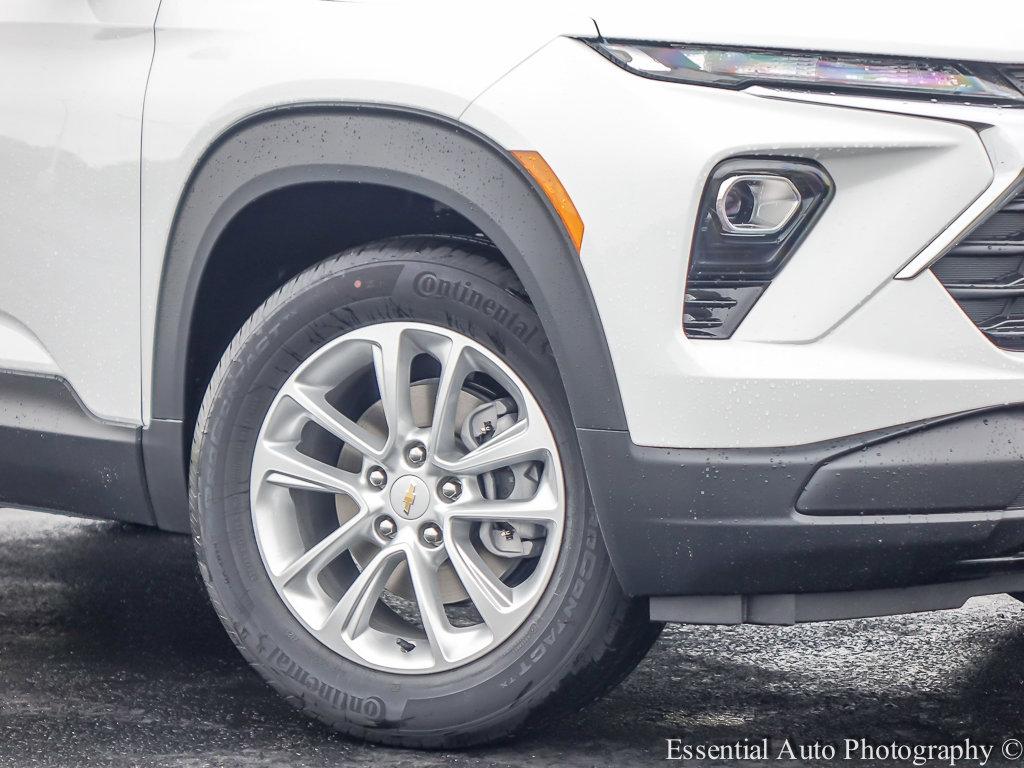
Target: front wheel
{"type": "Point", "coordinates": [390, 508]}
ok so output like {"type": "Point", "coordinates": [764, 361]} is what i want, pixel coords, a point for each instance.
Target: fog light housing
{"type": "Point", "coordinates": [754, 213]}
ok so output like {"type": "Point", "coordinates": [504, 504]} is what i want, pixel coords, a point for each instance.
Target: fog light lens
{"type": "Point", "coordinates": [756, 204]}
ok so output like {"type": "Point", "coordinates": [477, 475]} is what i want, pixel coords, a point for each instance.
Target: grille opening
{"type": "Point", "coordinates": [984, 273]}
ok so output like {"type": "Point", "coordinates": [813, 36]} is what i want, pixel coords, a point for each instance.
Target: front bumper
{"type": "Point", "coordinates": [854, 432]}
{"type": "Point", "coordinates": [909, 505]}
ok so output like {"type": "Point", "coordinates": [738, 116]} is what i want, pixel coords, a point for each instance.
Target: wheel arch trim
{"type": "Point", "coordinates": [409, 149]}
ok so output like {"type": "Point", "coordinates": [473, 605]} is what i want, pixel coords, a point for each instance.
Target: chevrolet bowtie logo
{"type": "Point", "coordinates": [409, 498]}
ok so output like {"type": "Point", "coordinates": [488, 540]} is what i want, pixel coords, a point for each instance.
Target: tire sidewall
{"type": "Point", "coordinates": [336, 297]}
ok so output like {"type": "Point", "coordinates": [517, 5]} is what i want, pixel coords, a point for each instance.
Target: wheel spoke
{"type": "Point", "coordinates": [309, 565]}
{"type": "Point", "coordinates": [520, 442]}
{"type": "Point", "coordinates": [492, 599]}
{"type": "Point", "coordinates": [312, 400]}
{"type": "Point", "coordinates": [454, 369]}
{"type": "Point", "coordinates": [442, 636]}
{"type": "Point", "coordinates": [351, 616]}
{"type": "Point", "coordinates": [544, 508]}
{"type": "Point", "coordinates": [288, 468]}
{"type": "Point", "coordinates": [393, 354]}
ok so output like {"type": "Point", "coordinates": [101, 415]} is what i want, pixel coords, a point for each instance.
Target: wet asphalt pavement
{"type": "Point", "coordinates": [110, 656]}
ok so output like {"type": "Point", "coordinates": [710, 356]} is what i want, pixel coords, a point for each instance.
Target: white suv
{"type": "Point", "coordinates": [472, 341]}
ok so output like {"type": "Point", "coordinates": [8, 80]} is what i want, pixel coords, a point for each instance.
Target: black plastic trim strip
{"type": "Point", "coordinates": [986, 249]}
{"type": "Point", "coordinates": [973, 462]}
{"type": "Point", "coordinates": [162, 443]}
{"type": "Point", "coordinates": [977, 292]}
{"type": "Point", "coordinates": [55, 455]}
{"type": "Point", "coordinates": [800, 608]}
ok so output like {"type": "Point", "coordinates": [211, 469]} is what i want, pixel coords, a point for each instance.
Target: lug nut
{"type": "Point", "coordinates": [416, 454]}
{"type": "Point", "coordinates": [386, 527]}
{"type": "Point", "coordinates": [378, 477]}
{"type": "Point", "coordinates": [431, 535]}
{"type": "Point", "coordinates": [450, 489]}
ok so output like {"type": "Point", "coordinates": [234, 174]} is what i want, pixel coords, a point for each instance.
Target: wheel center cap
{"type": "Point", "coordinates": [410, 497]}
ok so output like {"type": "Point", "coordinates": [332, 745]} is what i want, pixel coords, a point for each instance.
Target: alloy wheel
{"type": "Point", "coordinates": [407, 497]}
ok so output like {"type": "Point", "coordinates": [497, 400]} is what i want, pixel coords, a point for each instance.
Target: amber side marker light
{"type": "Point", "coordinates": [541, 172]}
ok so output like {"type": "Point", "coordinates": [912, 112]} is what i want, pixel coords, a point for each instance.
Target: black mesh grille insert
{"type": "Point", "coordinates": [984, 272]}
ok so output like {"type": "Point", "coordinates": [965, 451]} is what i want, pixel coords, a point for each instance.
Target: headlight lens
{"type": "Point", "coordinates": [736, 68]}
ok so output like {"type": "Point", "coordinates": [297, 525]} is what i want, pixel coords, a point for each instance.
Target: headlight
{"type": "Point", "coordinates": [739, 68]}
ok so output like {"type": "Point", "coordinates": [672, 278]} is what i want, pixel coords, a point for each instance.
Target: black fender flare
{"type": "Point", "coordinates": [391, 146]}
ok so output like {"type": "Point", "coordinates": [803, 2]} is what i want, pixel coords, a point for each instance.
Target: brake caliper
{"type": "Point", "coordinates": [519, 481]}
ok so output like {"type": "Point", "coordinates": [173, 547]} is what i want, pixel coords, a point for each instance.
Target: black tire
{"type": "Point", "coordinates": [583, 637]}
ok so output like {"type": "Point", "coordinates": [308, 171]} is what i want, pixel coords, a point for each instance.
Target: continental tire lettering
{"type": "Point", "coordinates": [370, 708]}
{"type": "Point", "coordinates": [428, 285]}
{"type": "Point", "coordinates": [584, 570]}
